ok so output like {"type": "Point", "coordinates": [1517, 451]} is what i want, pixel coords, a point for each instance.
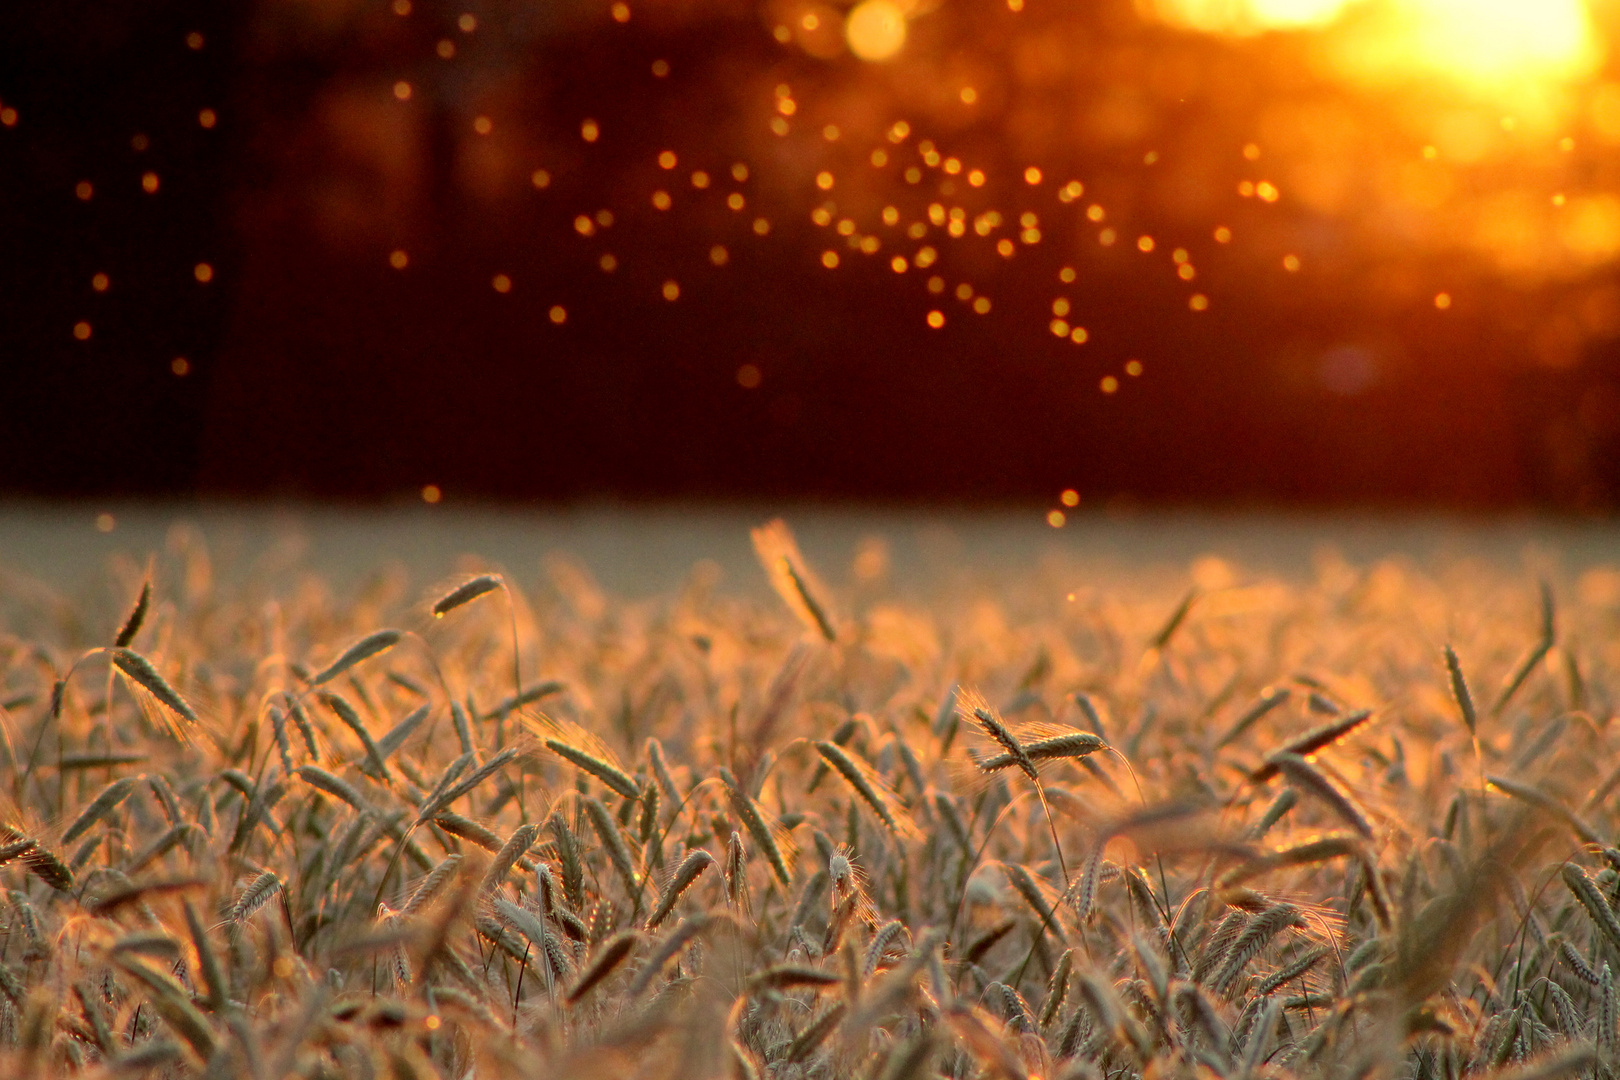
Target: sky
{"type": "Point", "coordinates": [1212, 252]}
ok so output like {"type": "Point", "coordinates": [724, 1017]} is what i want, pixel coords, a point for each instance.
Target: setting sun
{"type": "Point", "coordinates": [1479, 42]}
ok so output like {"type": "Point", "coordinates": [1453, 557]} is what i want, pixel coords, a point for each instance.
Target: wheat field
{"type": "Point", "coordinates": [1356, 824]}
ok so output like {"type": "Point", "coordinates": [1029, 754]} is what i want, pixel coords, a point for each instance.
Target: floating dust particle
{"type": "Point", "coordinates": [1069, 497]}
{"type": "Point", "coordinates": [1267, 191]}
{"type": "Point", "coordinates": [1245, 188]}
{"type": "Point", "coordinates": [207, 118]}
{"type": "Point", "coordinates": [139, 143]}
{"type": "Point", "coordinates": [1079, 335]}
{"type": "Point", "coordinates": [1133, 368]}
{"type": "Point", "coordinates": [106, 523]}
{"type": "Point", "coordinates": [203, 272]}
{"type": "Point", "coordinates": [969, 95]}
{"type": "Point", "coordinates": [981, 305]}
{"type": "Point", "coordinates": [1005, 248]}
{"type": "Point", "coordinates": [1144, 243]}
{"type": "Point", "coordinates": [879, 158]}
{"type": "Point", "coordinates": [700, 179]}
{"type": "Point", "coordinates": [1059, 328]}
{"type": "Point", "coordinates": [431, 494]}
{"type": "Point", "coordinates": [936, 284]}
{"type": "Point", "coordinates": [483, 125]}
{"type": "Point", "coordinates": [829, 259]}
{"type": "Point", "coordinates": [660, 200]}
{"type": "Point", "coordinates": [1109, 384]}
{"type": "Point", "coordinates": [976, 178]}
{"type": "Point", "coordinates": [761, 226]}
{"type": "Point", "coordinates": [1056, 518]}
{"type": "Point", "coordinates": [604, 218]}
{"type": "Point", "coordinates": [831, 133]}
{"type": "Point", "coordinates": [402, 7]}
{"type": "Point", "coordinates": [501, 283]}
{"type": "Point", "coordinates": [718, 255]}
{"type": "Point", "coordinates": [402, 90]}
{"type": "Point", "coordinates": [660, 68]}
{"type": "Point", "coordinates": [540, 178]}
{"type": "Point", "coordinates": [1442, 300]}
{"type": "Point", "coordinates": [466, 22]}
{"type": "Point", "coordinates": [1290, 263]}
{"type": "Point", "coordinates": [608, 263]}
{"type": "Point", "coordinates": [936, 318]}
{"type": "Point", "coordinates": [1223, 235]}
{"type": "Point", "coordinates": [736, 201]}
{"type": "Point", "coordinates": [194, 41]}
{"type": "Point", "coordinates": [446, 49]}
{"type": "Point", "coordinates": [1251, 152]}
{"type": "Point", "coordinates": [81, 330]}
{"type": "Point", "coordinates": [558, 314]}
{"type": "Point", "coordinates": [898, 264]}
{"type": "Point", "coordinates": [1032, 176]}
{"type": "Point", "coordinates": [1066, 275]}
{"type": "Point", "coordinates": [180, 366]}
{"type": "Point", "coordinates": [672, 290]}
{"type": "Point", "coordinates": [100, 282]}
{"type": "Point", "coordinates": [667, 159]}
{"type": "Point", "coordinates": [964, 292]}
{"type": "Point", "coordinates": [1198, 302]}
{"type": "Point", "coordinates": [149, 183]}
{"type": "Point", "coordinates": [749, 377]}
{"type": "Point", "coordinates": [1107, 237]}
{"type": "Point", "coordinates": [590, 130]}
{"type": "Point", "coordinates": [739, 172]}
{"type": "Point", "coordinates": [84, 190]}
{"type": "Point", "coordinates": [1060, 307]}
{"type": "Point", "coordinates": [1186, 272]}
{"type": "Point", "coordinates": [824, 180]}
{"type": "Point", "coordinates": [584, 226]}
{"type": "Point", "coordinates": [1095, 212]}
{"type": "Point", "coordinates": [621, 13]}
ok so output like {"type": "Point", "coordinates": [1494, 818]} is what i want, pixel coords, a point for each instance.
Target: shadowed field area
{"type": "Point", "coordinates": [296, 793]}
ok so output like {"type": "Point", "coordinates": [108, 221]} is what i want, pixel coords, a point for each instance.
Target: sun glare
{"type": "Point", "coordinates": [1487, 44]}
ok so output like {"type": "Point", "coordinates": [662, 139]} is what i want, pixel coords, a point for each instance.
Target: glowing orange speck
{"type": "Point", "coordinates": [81, 330]}
{"type": "Point", "coordinates": [1070, 497]}
{"type": "Point", "coordinates": [402, 90]}
{"type": "Point", "coordinates": [1056, 519]}
{"type": "Point", "coordinates": [1442, 300]}
{"type": "Point", "coordinates": [558, 314]}
{"type": "Point", "coordinates": [936, 319]}
{"type": "Point", "coordinates": [203, 272]}
{"type": "Point", "coordinates": [1032, 175]}
{"type": "Point", "coordinates": [180, 366]}
{"type": "Point", "coordinates": [431, 494]}
{"type": "Point", "coordinates": [748, 377]}
{"type": "Point", "coordinates": [501, 283]}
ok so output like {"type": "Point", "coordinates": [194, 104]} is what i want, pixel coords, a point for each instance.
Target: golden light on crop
{"type": "Point", "coordinates": [875, 30]}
